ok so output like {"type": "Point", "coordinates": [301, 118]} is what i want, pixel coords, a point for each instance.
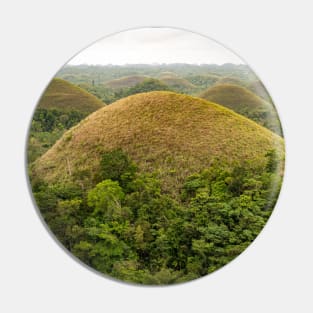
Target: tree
{"type": "Point", "coordinates": [272, 161]}
{"type": "Point", "coordinates": [106, 198]}
{"type": "Point", "coordinates": [117, 166]}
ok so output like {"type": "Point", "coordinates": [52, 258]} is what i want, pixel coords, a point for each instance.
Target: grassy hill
{"type": "Point", "coordinates": [125, 82]}
{"type": "Point", "coordinates": [100, 74]}
{"type": "Point", "coordinates": [110, 95]}
{"type": "Point", "coordinates": [244, 102]}
{"type": "Point", "coordinates": [165, 75]}
{"type": "Point", "coordinates": [61, 106]}
{"type": "Point", "coordinates": [203, 81]}
{"type": "Point", "coordinates": [171, 134]}
{"type": "Point", "coordinates": [179, 84]}
{"type": "Point", "coordinates": [230, 81]}
{"type": "Point", "coordinates": [64, 96]}
{"type": "Point", "coordinates": [258, 88]}
{"type": "Point", "coordinates": [149, 84]}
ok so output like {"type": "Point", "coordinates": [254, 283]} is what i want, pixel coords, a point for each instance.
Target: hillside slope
{"type": "Point", "coordinates": [258, 88]}
{"type": "Point", "coordinates": [246, 103]}
{"type": "Point", "coordinates": [178, 83]}
{"type": "Point", "coordinates": [171, 134]}
{"type": "Point", "coordinates": [230, 81]}
{"type": "Point", "coordinates": [64, 96]}
{"type": "Point", "coordinates": [125, 82]}
{"type": "Point", "coordinates": [203, 81]}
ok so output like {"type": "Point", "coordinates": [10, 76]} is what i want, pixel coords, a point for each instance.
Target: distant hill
{"type": "Point", "coordinates": [125, 82]}
{"type": "Point", "coordinates": [231, 81]}
{"type": "Point", "coordinates": [258, 88]}
{"type": "Point", "coordinates": [64, 96]}
{"type": "Point", "coordinates": [255, 86]}
{"type": "Point", "coordinates": [165, 75]}
{"type": "Point", "coordinates": [244, 102]}
{"type": "Point", "coordinates": [100, 74]}
{"type": "Point", "coordinates": [61, 106]}
{"type": "Point", "coordinates": [148, 84]}
{"type": "Point", "coordinates": [179, 84]}
{"type": "Point", "coordinates": [171, 134]}
{"type": "Point", "coordinates": [203, 81]}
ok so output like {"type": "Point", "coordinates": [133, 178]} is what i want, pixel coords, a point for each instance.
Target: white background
{"type": "Point", "coordinates": [275, 274]}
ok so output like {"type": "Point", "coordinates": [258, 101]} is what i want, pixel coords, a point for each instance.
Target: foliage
{"type": "Point", "coordinates": [106, 94]}
{"type": "Point", "coordinates": [157, 188]}
{"type": "Point", "coordinates": [48, 125]}
{"type": "Point", "coordinates": [45, 120]}
{"type": "Point", "coordinates": [117, 89]}
{"type": "Point", "coordinates": [139, 233]}
{"type": "Point", "coordinates": [203, 81]}
{"type": "Point", "coordinates": [148, 84]}
{"type": "Point", "coordinates": [106, 198]}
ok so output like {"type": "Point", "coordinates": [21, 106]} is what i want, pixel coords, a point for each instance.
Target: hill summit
{"type": "Point", "coordinates": [63, 96]}
{"type": "Point", "coordinates": [246, 103]}
{"type": "Point", "coordinates": [125, 82]}
{"type": "Point", "coordinates": [171, 134]}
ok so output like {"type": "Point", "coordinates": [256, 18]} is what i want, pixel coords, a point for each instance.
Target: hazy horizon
{"type": "Point", "coordinates": [155, 46]}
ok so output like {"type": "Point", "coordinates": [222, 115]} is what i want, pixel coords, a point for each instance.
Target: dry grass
{"type": "Point", "coordinates": [258, 88]}
{"type": "Point", "coordinates": [126, 82]}
{"type": "Point", "coordinates": [174, 135]}
{"type": "Point", "coordinates": [177, 83]}
{"type": "Point", "coordinates": [64, 96]}
{"type": "Point", "coordinates": [230, 80]}
{"type": "Point", "coordinates": [167, 74]}
{"type": "Point", "coordinates": [244, 102]}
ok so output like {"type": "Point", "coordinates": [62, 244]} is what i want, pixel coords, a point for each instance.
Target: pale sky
{"type": "Point", "coordinates": [155, 45]}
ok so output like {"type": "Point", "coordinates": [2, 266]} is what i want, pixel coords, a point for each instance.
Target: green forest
{"type": "Point", "coordinates": [155, 175]}
{"type": "Point", "coordinates": [125, 226]}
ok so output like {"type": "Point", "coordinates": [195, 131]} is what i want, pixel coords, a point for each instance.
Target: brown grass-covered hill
{"type": "Point", "coordinates": [62, 95]}
{"type": "Point", "coordinates": [125, 82]}
{"type": "Point", "coordinates": [179, 84]}
{"type": "Point", "coordinates": [230, 80]}
{"type": "Point", "coordinates": [246, 103]}
{"type": "Point", "coordinates": [255, 86]}
{"type": "Point", "coordinates": [258, 88]}
{"type": "Point", "coordinates": [203, 81]}
{"type": "Point", "coordinates": [167, 74]}
{"type": "Point", "coordinates": [171, 134]}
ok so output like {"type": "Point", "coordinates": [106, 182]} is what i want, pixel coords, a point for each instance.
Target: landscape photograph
{"type": "Point", "coordinates": [155, 156]}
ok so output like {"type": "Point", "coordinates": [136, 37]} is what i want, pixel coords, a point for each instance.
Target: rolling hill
{"type": "Point", "coordinates": [179, 84]}
{"type": "Point", "coordinates": [258, 88]}
{"type": "Point", "coordinates": [246, 103]}
{"type": "Point", "coordinates": [125, 82]}
{"type": "Point", "coordinates": [63, 96]}
{"type": "Point", "coordinates": [165, 75]}
{"type": "Point", "coordinates": [61, 106]}
{"type": "Point", "coordinates": [171, 134]}
{"type": "Point", "coordinates": [203, 81]}
{"type": "Point", "coordinates": [149, 84]}
{"type": "Point", "coordinates": [228, 80]}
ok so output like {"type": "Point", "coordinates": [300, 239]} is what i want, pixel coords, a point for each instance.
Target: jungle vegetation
{"type": "Point", "coordinates": [127, 227]}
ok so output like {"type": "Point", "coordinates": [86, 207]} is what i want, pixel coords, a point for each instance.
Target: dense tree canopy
{"type": "Point", "coordinates": [127, 227]}
{"type": "Point", "coordinates": [47, 127]}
